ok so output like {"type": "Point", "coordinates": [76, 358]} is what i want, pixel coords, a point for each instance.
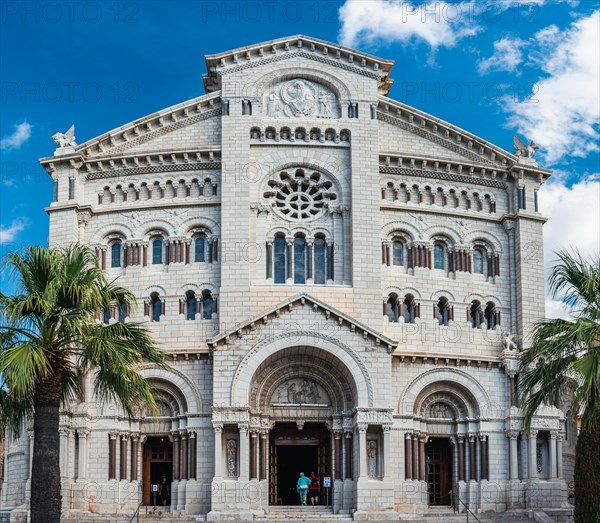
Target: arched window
{"type": "Point", "coordinates": [439, 253]}
{"type": "Point", "coordinates": [157, 251]}
{"type": "Point", "coordinates": [409, 309]}
{"type": "Point", "coordinates": [397, 252]}
{"type": "Point", "coordinates": [491, 316]}
{"type": "Point", "coordinates": [115, 254]}
{"type": "Point", "coordinates": [475, 314]}
{"type": "Point", "coordinates": [320, 248]}
{"type": "Point", "coordinates": [478, 261]}
{"type": "Point", "coordinates": [155, 306]}
{"type": "Point", "coordinates": [391, 308]}
{"type": "Point", "coordinates": [207, 305]}
{"type": "Point", "coordinates": [299, 259]}
{"type": "Point", "coordinates": [191, 305]}
{"type": "Point", "coordinates": [443, 311]}
{"type": "Point", "coordinates": [200, 249]}
{"type": "Point", "coordinates": [122, 312]}
{"type": "Point", "coordinates": [279, 258]}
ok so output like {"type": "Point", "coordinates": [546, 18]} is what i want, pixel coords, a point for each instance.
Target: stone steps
{"type": "Point", "coordinates": [297, 513]}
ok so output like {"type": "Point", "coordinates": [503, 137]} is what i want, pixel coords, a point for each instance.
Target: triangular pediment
{"type": "Point", "coordinates": [290, 48]}
{"type": "Point", "coordinates": [341, 319]}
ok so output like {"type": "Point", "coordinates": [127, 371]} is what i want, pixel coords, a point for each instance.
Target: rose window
{"type": "Point", "coordinates": [300, 196]}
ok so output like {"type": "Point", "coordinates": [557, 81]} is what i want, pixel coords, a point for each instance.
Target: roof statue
{"type": "Point", "coordinates": [522, 149]}
{"type": "Point", "coordinates": [65, 140]}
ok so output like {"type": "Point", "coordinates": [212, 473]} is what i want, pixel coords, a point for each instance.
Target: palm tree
{"type": "Point", "coordinates": [49, 340]}
{"type": "Point", "coordinates": [565, 355]}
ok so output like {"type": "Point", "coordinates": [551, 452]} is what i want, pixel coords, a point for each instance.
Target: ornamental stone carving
{"type": "Point", "coordinates": [301, 98]}
{"type": "Point", "coordinates": [231, 458]}
{"type": "Point", "coordinates": [300, 392]}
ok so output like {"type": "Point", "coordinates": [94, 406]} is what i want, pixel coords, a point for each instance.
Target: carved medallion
{"type": "Point", "coordinates": [301, 98]}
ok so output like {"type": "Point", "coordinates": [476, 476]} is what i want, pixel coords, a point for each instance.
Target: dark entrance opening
{"type": "Point", "coordinates": [439, 471]}
{"type": "Point", "coordinates": [291, 460]}
{"type": "Point", "coordinates": [158, 463]}
{"type": "Point", "coordinates": [293, 451]}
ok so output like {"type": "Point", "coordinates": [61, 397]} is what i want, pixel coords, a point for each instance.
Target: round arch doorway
{"type": "Point", "coordinates": [295, 449]}
{"type": "Point", "coordinates": [306, 396]}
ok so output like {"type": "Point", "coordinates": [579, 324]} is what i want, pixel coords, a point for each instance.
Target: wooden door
{"type": "Point", "coordinates": [272, 474]}
{"type": "Point", "coordinates": [439, 471]}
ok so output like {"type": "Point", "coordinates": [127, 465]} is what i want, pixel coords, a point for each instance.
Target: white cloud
{"type": "Point", "coordinates": [507, 56]}
{"type": "Point", "coordinates": [573, 222]}
{"type": "Point", "coordinates": [9, 234]}
{"type": "Point", "coordinates": [17, 138]}
{"type": "Point", "coordinates": [563, 114]}
{"type": "Point", "coordinates": [436, 22]}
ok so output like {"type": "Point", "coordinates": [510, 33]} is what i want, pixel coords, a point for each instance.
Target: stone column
{"type": "Point", "coordinates": [112, 455]}
{"type": "Point", "coordinates": [553, 453]}
{"type": "Point", "coordinates": [387, 452]}
{"type": "Point", "coordinates": [135, 446]}
{"type": "Point", "coordinates": [244, 456]}
{"type": "Point", "coordinates": [415, 457]}
{"type": "Point", "coordinates": [461, 458]}
{"type": "Point", "coordinates": [453, 463]}
{"type": "Point", "coordinates": [218, 450]}
{"type": "Point", "coordinates": [559, 459]}
{"type": "Point", "coordinates": [176, 471]}
{"type": "Point", "coordinates": [472, 459]}
{"type": "Point", "coordinates": [348, 454]}
{"type": "Point", "coordinates": [123, 463]}
{"type": "Point", "coordinates": [337, 452]}
{"type": "Point", "coordinates": [483, 441]}
{"type": "Point", "coordinates": [183, 445]}
{"type": "Point", "coordinates": [253, 454]}
{"type": "Point", "coordinates": [362, 451]}
{"type": "Point", "coordinates": [533, 474]}
{"type": "Point", "coordinates": [407, 456]}
{"type": "Point", "coordinates": [263, 455]}
{"type": "Point", "coordinates": [64, 452]}
{"type": "Point", "coordinates": [513, 436]}
{"type": "Point", "coordinates": [31, 434]}
{"type": "Point", "coordinates": [193, 454]}
{"type": "Point", "coordinates": [422, 441]}
{"type": "Point", "coordinates": [83, 453]}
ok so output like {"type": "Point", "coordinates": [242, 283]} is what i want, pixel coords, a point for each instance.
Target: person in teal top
{"type": "Point", "coordinates": [302, 487]}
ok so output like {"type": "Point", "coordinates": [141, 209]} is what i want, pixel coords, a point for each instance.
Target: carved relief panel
{"type": "Point", "coordinates": [298, 98]}
{"type": "Point", "coordinates": [300, 392]}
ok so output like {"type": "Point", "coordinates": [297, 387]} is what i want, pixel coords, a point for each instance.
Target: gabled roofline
{"type": "Point", "coordinates": [215, 63]}
{"type": "Point", "coordinates": [303, 298]}
{"type": "Point", "coordinates": [468, 144]}
{"type": "Point", "coordinates": [140, 127]}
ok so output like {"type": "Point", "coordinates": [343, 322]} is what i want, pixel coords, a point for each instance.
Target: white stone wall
{"type": "Point", "coordinates": [388, 148]}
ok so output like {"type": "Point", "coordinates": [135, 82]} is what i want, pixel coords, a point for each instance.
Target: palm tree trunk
{"type": "Point", "coordinates": [587, 467]}
{"type": "Point", "coordinates": [45, 475]}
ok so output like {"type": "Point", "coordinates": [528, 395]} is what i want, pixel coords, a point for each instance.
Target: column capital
{"type": "Point", "coordinates": [362, 427]}
{"type": "Point", "coordinates": [113, 435]}
{"type": "Point", "coordinates": [461, 438]}
{"type": "Point", "coordinates": [408, 436]}
{"type": "Point", "coordinates": [192, 435]}
{"type": "Point", "coordinates": [533, 433]}
{"type": "Point", "coordinates": [83, 432]}
{"type": "Point", "coordinates": [243, 427]}
{"type": "Point", "coordinates": [123, 435]}
{"type": "Point", "coordinates": [553, 434]}
{"type": "Point", "coordinates": [482, 436]}
{"type": "Point", "coordinates": [512, 434]}
{"type": "Point", "coordinates": [218, 427]}
{"type": "Point", "coordinates": [347, 434]}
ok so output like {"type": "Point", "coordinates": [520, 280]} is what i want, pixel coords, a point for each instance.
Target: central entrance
{"type": "Point", "coordinates": [157, 470]}
{"type": "Point", "coordinates": [439, 471]}
{"type": "Point", "coordinates": [295, 448]}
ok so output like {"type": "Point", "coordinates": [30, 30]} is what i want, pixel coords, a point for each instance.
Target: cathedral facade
{"type": "Point", "coordinates": [343, 284]}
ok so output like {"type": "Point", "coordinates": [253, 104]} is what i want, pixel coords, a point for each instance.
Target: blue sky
{"type": "Point", "coordinates": [492, 67]}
